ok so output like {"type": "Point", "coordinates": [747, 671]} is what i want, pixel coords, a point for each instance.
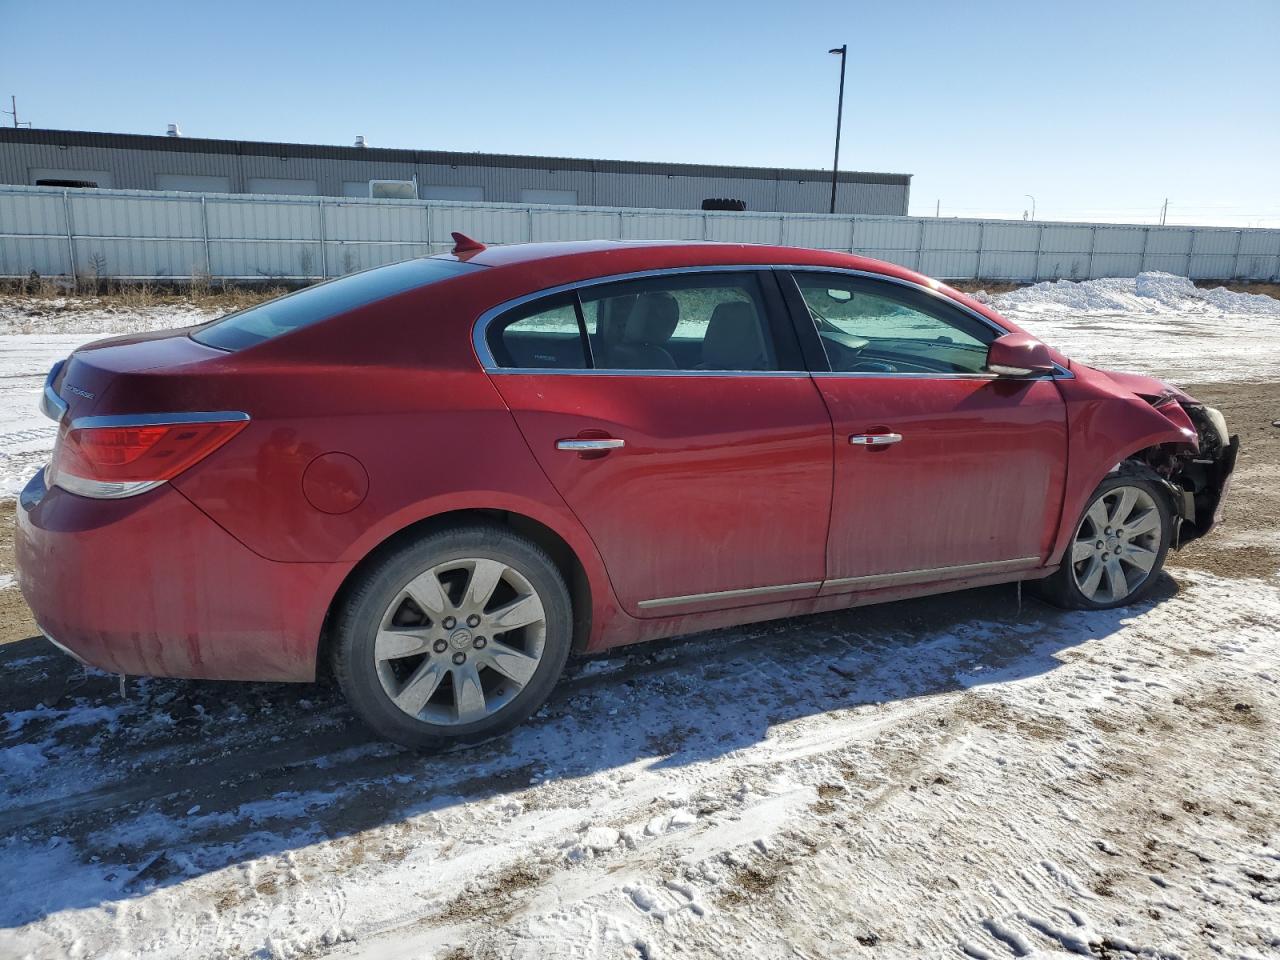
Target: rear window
{"type": "Point", "coordinates": [314, 304]}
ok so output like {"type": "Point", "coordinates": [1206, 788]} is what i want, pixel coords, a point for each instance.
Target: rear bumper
{"type": "Point", "coordinates": [151, 586]}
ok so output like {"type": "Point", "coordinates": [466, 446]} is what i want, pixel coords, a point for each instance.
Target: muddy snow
{"type": "Point", "coordinates": [959, 776]}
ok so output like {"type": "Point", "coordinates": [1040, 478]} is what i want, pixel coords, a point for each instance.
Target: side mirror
{"type": "Point", "coordinates": [1018, 355]}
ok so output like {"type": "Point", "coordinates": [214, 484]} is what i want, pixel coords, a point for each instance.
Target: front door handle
{"type": "Point", "coordinates": [875, 439]}
{"type": "Point", "coordinates": [580, 445]}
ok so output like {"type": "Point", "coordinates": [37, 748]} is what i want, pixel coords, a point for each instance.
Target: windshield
{"type": "Point", "coordinates": [255, 325]}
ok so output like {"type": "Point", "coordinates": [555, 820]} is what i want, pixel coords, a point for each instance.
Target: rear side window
{"type": "Point", "coordinates": [543, 335]}
{"type": "Point", "coordinates": [314, 304]}
{"type": "Point", "coordinates": [695, 321]}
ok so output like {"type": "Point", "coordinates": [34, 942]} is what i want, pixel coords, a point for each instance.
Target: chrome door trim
{"type": "Point", "coordinates": [157, 419]}
{"type": "Point", "coordinates": [727, 594]}
{"type": "Point", "coordinates": [600, 443]}
{"type": "Point", "coordinates": [875, 580]}
{"type": "Point", "coordinates": [875, 439]}
{"type": "Point", "coordinates": [51, 404]}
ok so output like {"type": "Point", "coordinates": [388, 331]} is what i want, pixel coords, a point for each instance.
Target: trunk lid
{"type": "Point", "coordinates": [110, 376]}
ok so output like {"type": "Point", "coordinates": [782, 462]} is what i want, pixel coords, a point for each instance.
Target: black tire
{"type": "Point", "coordinates": [367, 603]}
{"type": "Point", "coordinates": [1062, 589]}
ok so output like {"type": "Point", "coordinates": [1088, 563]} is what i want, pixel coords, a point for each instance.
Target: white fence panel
{"type": "Point", "coordinates": [737, 228]}
{"type": "Point", "coordinates": [102, 258]}
{"type": "Point", "coordinates": [342, 258]}
{"type": "Point", "coordinates": [26, 214]}
{"type": "Point", "coordinates": [879, 236]}
{"type": "Point", "coordinates": [374, 220]}
{"type": "Point", "coordinates": [821, 233]}
{"type": "Point", "coordinates": [139, 234]}
{"type": "Point", "coordinates": [1113, 238]}
{"type": "Point", "coordinates": [951, 235]}
{"type": "Point", "coordinates": [1116, 264]}
{"type": "Point", "coordinates": [648, 225]}
{"type": "Point", "coordinates": [576, 224]}
{"type": "Point", "coordinates": [44, 256]}
{"type": "Point", "coordinates": [170, 216]}
{"type": "Point", "coordinates": [275, 219]}
{"type": "Point", "coordinates": [491, 225]}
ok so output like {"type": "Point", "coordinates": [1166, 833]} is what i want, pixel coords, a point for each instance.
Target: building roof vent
{"type": "Point", "coordinates": [360, 142]}
{"type": "Point", "coordinates": [174, 131]}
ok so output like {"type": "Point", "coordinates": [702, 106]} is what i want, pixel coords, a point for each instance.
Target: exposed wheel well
{"type": "Point", "coordinates": [561, 553]}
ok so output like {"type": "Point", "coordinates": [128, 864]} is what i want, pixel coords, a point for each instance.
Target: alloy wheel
{"type": "Point", "coordinates": [460, 641]}
{"type": "Point", "coordinates": [1116, 544]}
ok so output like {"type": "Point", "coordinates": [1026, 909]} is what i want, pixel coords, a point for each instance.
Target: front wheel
{"type": "Point", "coordinates": [456, 637]}
{"type": "Point", "coordinates": [1118, 548]}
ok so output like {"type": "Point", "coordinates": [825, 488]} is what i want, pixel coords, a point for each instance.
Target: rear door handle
{"type": "Point", "coordinates": [604, 443]}
{"type": "Point", "coordinates": [875, 439]}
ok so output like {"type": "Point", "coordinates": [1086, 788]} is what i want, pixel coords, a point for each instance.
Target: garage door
{"type": "Point", "coordinates": [193, 183]}
{"type": "Point", "coordinates": [302, 188]}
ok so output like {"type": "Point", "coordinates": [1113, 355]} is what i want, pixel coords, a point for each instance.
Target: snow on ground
{"type": "Point", "coordinates": [995, 784]}
{"type": "Point", "coordinates": [934, 778]}
{"type": "Point", "coordinates": [1155, 323]}
{"type": "Point", "coordinates": [34, 334]}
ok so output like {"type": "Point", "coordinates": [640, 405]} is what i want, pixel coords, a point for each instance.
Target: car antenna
{"type": "Point", "coordinates": [464, 244]}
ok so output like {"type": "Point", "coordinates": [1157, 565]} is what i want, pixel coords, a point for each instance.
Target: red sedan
{"type": "Point", "coordinates": [445, 475]}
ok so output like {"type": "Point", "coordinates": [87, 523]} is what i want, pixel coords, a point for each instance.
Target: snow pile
{"type": "Point", "coordinates": [1154, 323]}
{"type": "Point", "coordinates": [1153, 292]}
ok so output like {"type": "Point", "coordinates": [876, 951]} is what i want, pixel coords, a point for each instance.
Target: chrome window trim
{"type": "Point", "coordinates": [157, 419]}
{"type": "Point", "coordinates": [602, 372]}
{"type": "Point", "coordinates": [51, 404]}
{"type": "Point", "coordinates": [480, 344]}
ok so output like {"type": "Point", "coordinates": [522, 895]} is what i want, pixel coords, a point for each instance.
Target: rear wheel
{"type": "Point", "coordinates": [1118, 547]}
{"type": "Point", "coordinates": [457, 637]}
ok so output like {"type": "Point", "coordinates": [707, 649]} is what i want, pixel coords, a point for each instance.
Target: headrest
{"type": "Point", "coordinates": [733, 338]}
{"type": "Point", "coordinates": [652, 320]}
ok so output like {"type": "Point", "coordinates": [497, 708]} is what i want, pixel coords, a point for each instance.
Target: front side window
{"type": "Point", "coordinates": [872, 326]}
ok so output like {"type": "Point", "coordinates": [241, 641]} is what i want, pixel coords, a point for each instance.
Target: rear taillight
{"type": "Point", "coordinates": [113, 457]}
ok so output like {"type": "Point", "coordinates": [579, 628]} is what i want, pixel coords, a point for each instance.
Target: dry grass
{"type": "Point", "coordinates": [1266, 289]}
{"type": "Point", "coordinates": [200, 291]}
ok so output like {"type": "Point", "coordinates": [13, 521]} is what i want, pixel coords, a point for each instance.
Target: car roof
{"type": "Point", "coordinates": [671, 253]}
{"type": "Point", "coordinates": [586, 258]}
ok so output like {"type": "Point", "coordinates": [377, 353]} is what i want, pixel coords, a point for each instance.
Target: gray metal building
{"type": "Point", "coordinates": [136, 162]}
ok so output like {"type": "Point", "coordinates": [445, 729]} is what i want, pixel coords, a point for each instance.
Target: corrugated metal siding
{"type": "Point", "coordinates": [597, 182]}
{"type": "Point", "coordinates": [147, 234]}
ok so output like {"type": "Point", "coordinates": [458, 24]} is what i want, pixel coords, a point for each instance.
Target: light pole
{"type": "Point", "coordinates": [1033, 204]}
{"type": "Point", "coordinates": [843, 50]}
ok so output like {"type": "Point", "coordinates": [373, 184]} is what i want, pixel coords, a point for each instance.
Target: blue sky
{"type": "Point", "coordinates": [1099, 109]}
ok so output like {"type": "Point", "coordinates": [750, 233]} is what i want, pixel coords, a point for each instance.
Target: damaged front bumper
{"type": "Point", "coordinates": [1204, 478]}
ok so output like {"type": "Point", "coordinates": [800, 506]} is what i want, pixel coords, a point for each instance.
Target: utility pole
{"type": "Point", "coordinates": [13, 112]}
{"type": "Point", "coordinates": [937, 210]}
{"type": "Point", "coordinates": [843, 50]}
{"type": "Point", "coordinates": [1164, 211]}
